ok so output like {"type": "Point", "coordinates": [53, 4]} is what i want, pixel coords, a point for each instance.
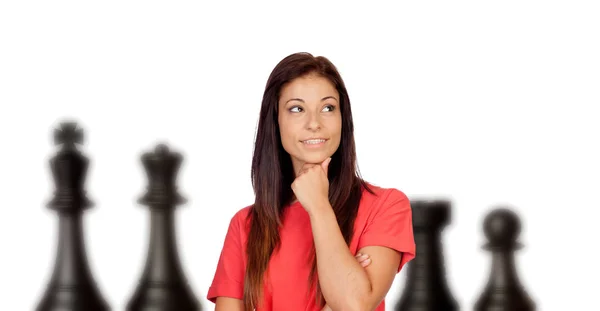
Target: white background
{"type": "Point", "coordinates": [483, 103]}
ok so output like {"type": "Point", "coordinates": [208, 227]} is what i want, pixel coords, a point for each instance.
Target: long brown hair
{"type": "Point", "coordinates": [272, 174]}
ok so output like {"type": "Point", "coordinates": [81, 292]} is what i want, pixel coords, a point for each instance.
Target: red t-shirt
{"type": "Point", "coordinates": [383, 219]}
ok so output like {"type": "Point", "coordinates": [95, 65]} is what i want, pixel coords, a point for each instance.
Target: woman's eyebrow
{"type": "Point", "coordinates": [301, 100]}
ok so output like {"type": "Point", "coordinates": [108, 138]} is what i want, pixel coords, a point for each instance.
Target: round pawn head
{"type": "Point", "coordinates": [502, 228]}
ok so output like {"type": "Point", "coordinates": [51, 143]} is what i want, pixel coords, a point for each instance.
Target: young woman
{"type": "Point", "coordinates": [295, 247]}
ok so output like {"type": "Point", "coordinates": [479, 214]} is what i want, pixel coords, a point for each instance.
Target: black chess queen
{"type": "Point", "coordinates": [296, 246]}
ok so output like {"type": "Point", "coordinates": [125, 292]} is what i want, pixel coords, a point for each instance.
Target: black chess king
{"type": "Point", "coordinates": [71, 287]}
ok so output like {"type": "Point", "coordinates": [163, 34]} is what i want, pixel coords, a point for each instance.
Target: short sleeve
{"type": "Point", "coordinates": [228, 280]}
{"type": "Point", "coordinates": [391, 225]}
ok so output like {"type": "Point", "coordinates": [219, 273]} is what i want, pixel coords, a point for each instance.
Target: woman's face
{"type": "Point", "coordinates": [310, 121]}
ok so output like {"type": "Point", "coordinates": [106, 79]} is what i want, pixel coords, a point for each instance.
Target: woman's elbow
{"type": "Point", "coordinates": [366, 303]}
{"type": "Point", "coordinates": [358, 304]}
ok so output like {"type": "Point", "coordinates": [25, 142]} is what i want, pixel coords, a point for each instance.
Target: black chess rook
{"type": "Point", "coordinates": [72, 286]}
{"type": "Point", "coordinates": [426, 288]}
{"type": "Point", "coordinates": [504, 291]}
{"type": "Point", "coordinates": [163, 285]}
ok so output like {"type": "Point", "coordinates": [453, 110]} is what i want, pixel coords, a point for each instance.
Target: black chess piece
{"type": "Point", "coordinates": [426, 288]}
{"type": "Point", "coordinates": [163, 286]}
{"type": "Point", "coordinates": [503, 291]}
{"type": "Point", "coordinates": [72, 286]}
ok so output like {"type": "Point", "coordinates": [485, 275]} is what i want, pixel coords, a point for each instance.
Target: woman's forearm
{"type": "Point", "coordinates": [344, 282]}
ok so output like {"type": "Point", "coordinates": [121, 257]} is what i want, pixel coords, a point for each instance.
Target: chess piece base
{"type": "Point", "coordinates": [80, 298]}
{"type": "Point", "coordinates": [72, 286]}
{"type": "Point", "coordinates": [508, 299]}
{"type": "Point", "coordinates": [154, 297]}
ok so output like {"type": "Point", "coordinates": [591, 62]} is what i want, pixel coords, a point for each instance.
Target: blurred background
{"type": "Point", "coordinates": [486, 104]}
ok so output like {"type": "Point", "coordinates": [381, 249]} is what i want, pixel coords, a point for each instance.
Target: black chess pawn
{"type": "Point", "coordinates": [426, 288]}
{"type": "Point", "coordinates": [503, 291]}
{"type": "Point", "coordinates": [163, 286]}
{"type": "Point", "coordinates": [72, 286]}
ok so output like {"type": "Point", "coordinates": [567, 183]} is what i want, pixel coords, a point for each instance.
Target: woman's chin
{"type": "Point", "coordinates": [315, 159]}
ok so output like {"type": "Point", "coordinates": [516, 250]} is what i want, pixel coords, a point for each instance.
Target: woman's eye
{"type": "Point", "coordinates": [330, 107]}
{"type": "Point", "coordinates": [296, 109]}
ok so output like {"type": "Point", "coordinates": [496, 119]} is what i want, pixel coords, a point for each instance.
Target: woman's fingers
{"type": "Point", "coordinates": [363, 259]}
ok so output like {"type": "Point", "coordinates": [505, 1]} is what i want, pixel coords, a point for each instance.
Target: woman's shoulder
{"type": "Point", "coordinates": [238, 222]}
{"type": "Point", "coordinates": [375, 193]}
{"type": "Point", "coordinates": [382, 201]}
{"type": "Point", "coordinates": [241, 214]}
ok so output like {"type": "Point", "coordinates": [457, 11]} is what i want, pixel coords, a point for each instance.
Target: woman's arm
{"type": "Point", "coordinates": [232, 304]}
{"type": "Point", "coordinates": [388, 236]}
{"type": "Point", "coordinates": [228, 304]}
{"type": "Point", "coordinates": [345, 285]}
{"type": "Point", "coordinates": [364, 261]}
